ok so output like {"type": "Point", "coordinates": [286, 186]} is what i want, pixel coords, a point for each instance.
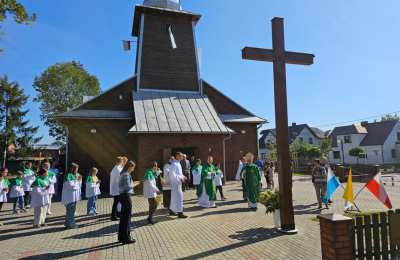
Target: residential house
{"type": "Point", "coordinates": [301, 133]}
{"type": "Point", "coordinates": [379, 140]}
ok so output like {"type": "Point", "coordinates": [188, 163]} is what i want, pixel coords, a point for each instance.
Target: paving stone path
{"type": "Point", "coordinates": [227, 232]}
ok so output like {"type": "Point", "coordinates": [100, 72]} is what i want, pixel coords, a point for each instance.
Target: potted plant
{"type": "Point", "coordinates": [271, 200]}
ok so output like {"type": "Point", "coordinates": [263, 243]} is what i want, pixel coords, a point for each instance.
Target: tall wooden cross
{"type": "Point", "coordinates": [279, 56]}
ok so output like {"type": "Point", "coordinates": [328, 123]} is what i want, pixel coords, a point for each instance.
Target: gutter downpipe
{"type": "Point", "coordinates": [224, 155]}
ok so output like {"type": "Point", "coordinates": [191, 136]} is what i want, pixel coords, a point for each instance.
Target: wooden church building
{"type": "Point", "coordinates": [165, 107]}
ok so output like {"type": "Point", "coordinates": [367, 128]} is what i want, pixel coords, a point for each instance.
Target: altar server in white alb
{"type": "Point", "coordinates": [28, 179]}
{"type": "Point", "coordinates": [4, 184]}
{"type": "Point", "coordinates": [53, 180]}
{"type": "Point", "coordinates": [150, 189]}
{"type": "Point", "coordinates": [92, 191]}
{"type": "Point", "coordinates": [17, 192]}
{"type": "Point", "coordinates": [196, 173]}
{"type": "Point", "coordinates": [114, 184]}
{"type": "Point", "coordinates": [71, 194]}
{"type": "Point", "coordinates": [176, 178]}
{"type": "Point", "coordinates": [166, 186]}
{"type": "Point", "coordinates": [40, 198]}
{"type": "Point", "coordinates": [218, 181]}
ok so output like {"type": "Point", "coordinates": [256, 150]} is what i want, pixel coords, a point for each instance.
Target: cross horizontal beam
{"type": "Point", "coordinates": [259, 54]}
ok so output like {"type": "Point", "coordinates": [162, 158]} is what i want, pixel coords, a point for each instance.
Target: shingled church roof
{"type": "Point", "coordinates": [175, 112]}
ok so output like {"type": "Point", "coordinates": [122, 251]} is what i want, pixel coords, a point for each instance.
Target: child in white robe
{"type": "Point", "coordinates": [53, 180]}
{"type": "Point", "coordinates": [196, 172]}
{"type": "Point", "coordinates": [218, 182]}
{"type": "Point", "coordinates": [17, 193]}
{"type": "Point", "coordinates": [28, 179]}
{"type": "Point", "coordinates": [4, 186]}
{"type": "Point", "coordinates": [71, 194]}
{"type": "Point", "coordinates": [150, 189]}
{"type": "Point", "coordinates": [92, 191]}
{"type": "Point", "coordinates": [40, 198]}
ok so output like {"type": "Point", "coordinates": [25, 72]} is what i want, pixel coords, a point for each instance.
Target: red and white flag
{"type": "Point", "coordinates": [376, 187]}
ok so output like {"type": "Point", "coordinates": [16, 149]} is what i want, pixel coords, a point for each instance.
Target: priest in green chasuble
{"type": "Point", "coordinates": [206, 190]}
{"type": "Point", "coordinates": [252, 180]}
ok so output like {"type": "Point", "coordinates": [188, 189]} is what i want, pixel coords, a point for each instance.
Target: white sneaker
{"type": "Point", "coordinates": [49, 213]}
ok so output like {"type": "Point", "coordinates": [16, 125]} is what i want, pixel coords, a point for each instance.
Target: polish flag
{"type": "Point", "coordinates": [376, 187]}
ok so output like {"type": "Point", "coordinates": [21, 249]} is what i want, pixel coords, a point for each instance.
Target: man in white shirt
{"type": "Point", "coordinates": [176, 178]}
{"type": "Point", "coordinates": [166, 186]}
{"type": "Point", "coordinates": [114, 184]}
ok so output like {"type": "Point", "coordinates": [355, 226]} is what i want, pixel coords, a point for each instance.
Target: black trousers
{"type": "Point", "coordinates": [124, 230]}
{"type": "Point", "coordinates": [244, 189]}
{"type": "Point", "coordinates": [1, 205]}
{"type": "Point", "coordinates": [27, 198]}
{"type": "Point", "coordinates": [114, 212]}
{"type": "Point", "coordinates": [221, 192]}
{"type": "Point", "coordinates": [152, 207]}
{"type": "Point", "coordinates": [166, 198]}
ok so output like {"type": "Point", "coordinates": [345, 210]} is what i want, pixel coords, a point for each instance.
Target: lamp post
{"type": "Point", "coordinates": [340, 142]}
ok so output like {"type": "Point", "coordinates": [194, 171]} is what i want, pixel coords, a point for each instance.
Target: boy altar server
{"type": "Point", "coordinates": [40, 198]}
{"type": "Point", "coordinates": [28, 179]}
{"type": "Point", "coordinates": [71, 194]}
{"type": "Point", "coordinates": [196, 173]}
{"type": "Point", "coordinates": [17, 192]}
{"type": "Point", "coordinates": [51, 175]}
{"type": "Point", "coordinates": [150, 189]}
{"type": "Point", "coordinates": [92, 191]}
{"type": "Point", "coordinates": [218, 182]}
{"type": "Point", "coordinates": [4, 184]}
{"type": "Point", "coordinates": [207, 191]}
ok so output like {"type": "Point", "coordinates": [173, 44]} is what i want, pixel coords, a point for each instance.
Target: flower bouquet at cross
{"type": "Point", "coordinates": [271, 200]}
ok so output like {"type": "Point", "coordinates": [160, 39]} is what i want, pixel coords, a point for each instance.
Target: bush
{"type": "Point", "coordinates": [271, 201]}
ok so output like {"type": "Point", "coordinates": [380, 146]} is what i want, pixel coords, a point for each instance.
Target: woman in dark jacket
{"type": "Point", "coordinates": [126, 189]}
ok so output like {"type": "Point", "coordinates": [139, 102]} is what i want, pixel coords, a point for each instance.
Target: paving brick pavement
{"type": "Point", "coordinates": [227, 232]}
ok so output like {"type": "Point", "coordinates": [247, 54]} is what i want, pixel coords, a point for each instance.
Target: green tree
{"type": "Point", "coordinates": [325, 146]}
{"type": "Point", "coordinates": [14, 129]}
{"type": "Point", "coordinates": [17, 10]}
{"type": "Point", "coordinates": [60, 88]}
{"type": "Point", "coordinates": [390, 117]}
{"type": "Point", "coordinates": [356, 152]}
{"type": "Point", "coordinates": [307, 151]}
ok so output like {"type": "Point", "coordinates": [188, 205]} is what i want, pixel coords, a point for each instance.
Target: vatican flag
{"type": "Point", "coordinates": [348, 195]}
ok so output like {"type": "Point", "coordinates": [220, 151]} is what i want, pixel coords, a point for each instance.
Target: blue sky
{"type": "Point", "coordinates": [355, 74]}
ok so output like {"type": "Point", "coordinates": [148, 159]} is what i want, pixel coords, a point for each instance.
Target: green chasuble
{"type": "Point", "coordinates": [208, 183]}
{"type": "Point", "coordinates": [92, 179]}
{"type": "Point", "coordinates": [252, 181]}
{"type": "Point", "coordinates": [41, 182]}
{"type": "Point", "coordinates": [150, 174]}
{"type": "Point", "coordinates": [71, 177]}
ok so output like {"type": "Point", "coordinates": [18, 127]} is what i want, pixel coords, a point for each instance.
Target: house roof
{"type": "Point", "coordinates": [294, 131]}
{"type": "Point", "coordinates": [378, 132]}
{"type": "Point", "coordinates": [346, 130]}
{"type": "Point", "coordinates": [231, 118]}
{"type": "Point", "coordinates": [175, 112]}
{"type": "Point", "coordinates": [375, 133]}
{"type": "Point", "coordinates": [96, 114]}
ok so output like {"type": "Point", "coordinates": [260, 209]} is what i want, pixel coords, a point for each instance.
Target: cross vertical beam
{"type": "Point", "coordinates": [279, 56]}
{"type": "Point", "coordinates": [281, 124]}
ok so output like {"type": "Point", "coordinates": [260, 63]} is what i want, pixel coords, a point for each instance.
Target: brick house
{"type": "Point", "coordinates": [165, 107]}
{"type": "Point", "coordinates": [379, 140]}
